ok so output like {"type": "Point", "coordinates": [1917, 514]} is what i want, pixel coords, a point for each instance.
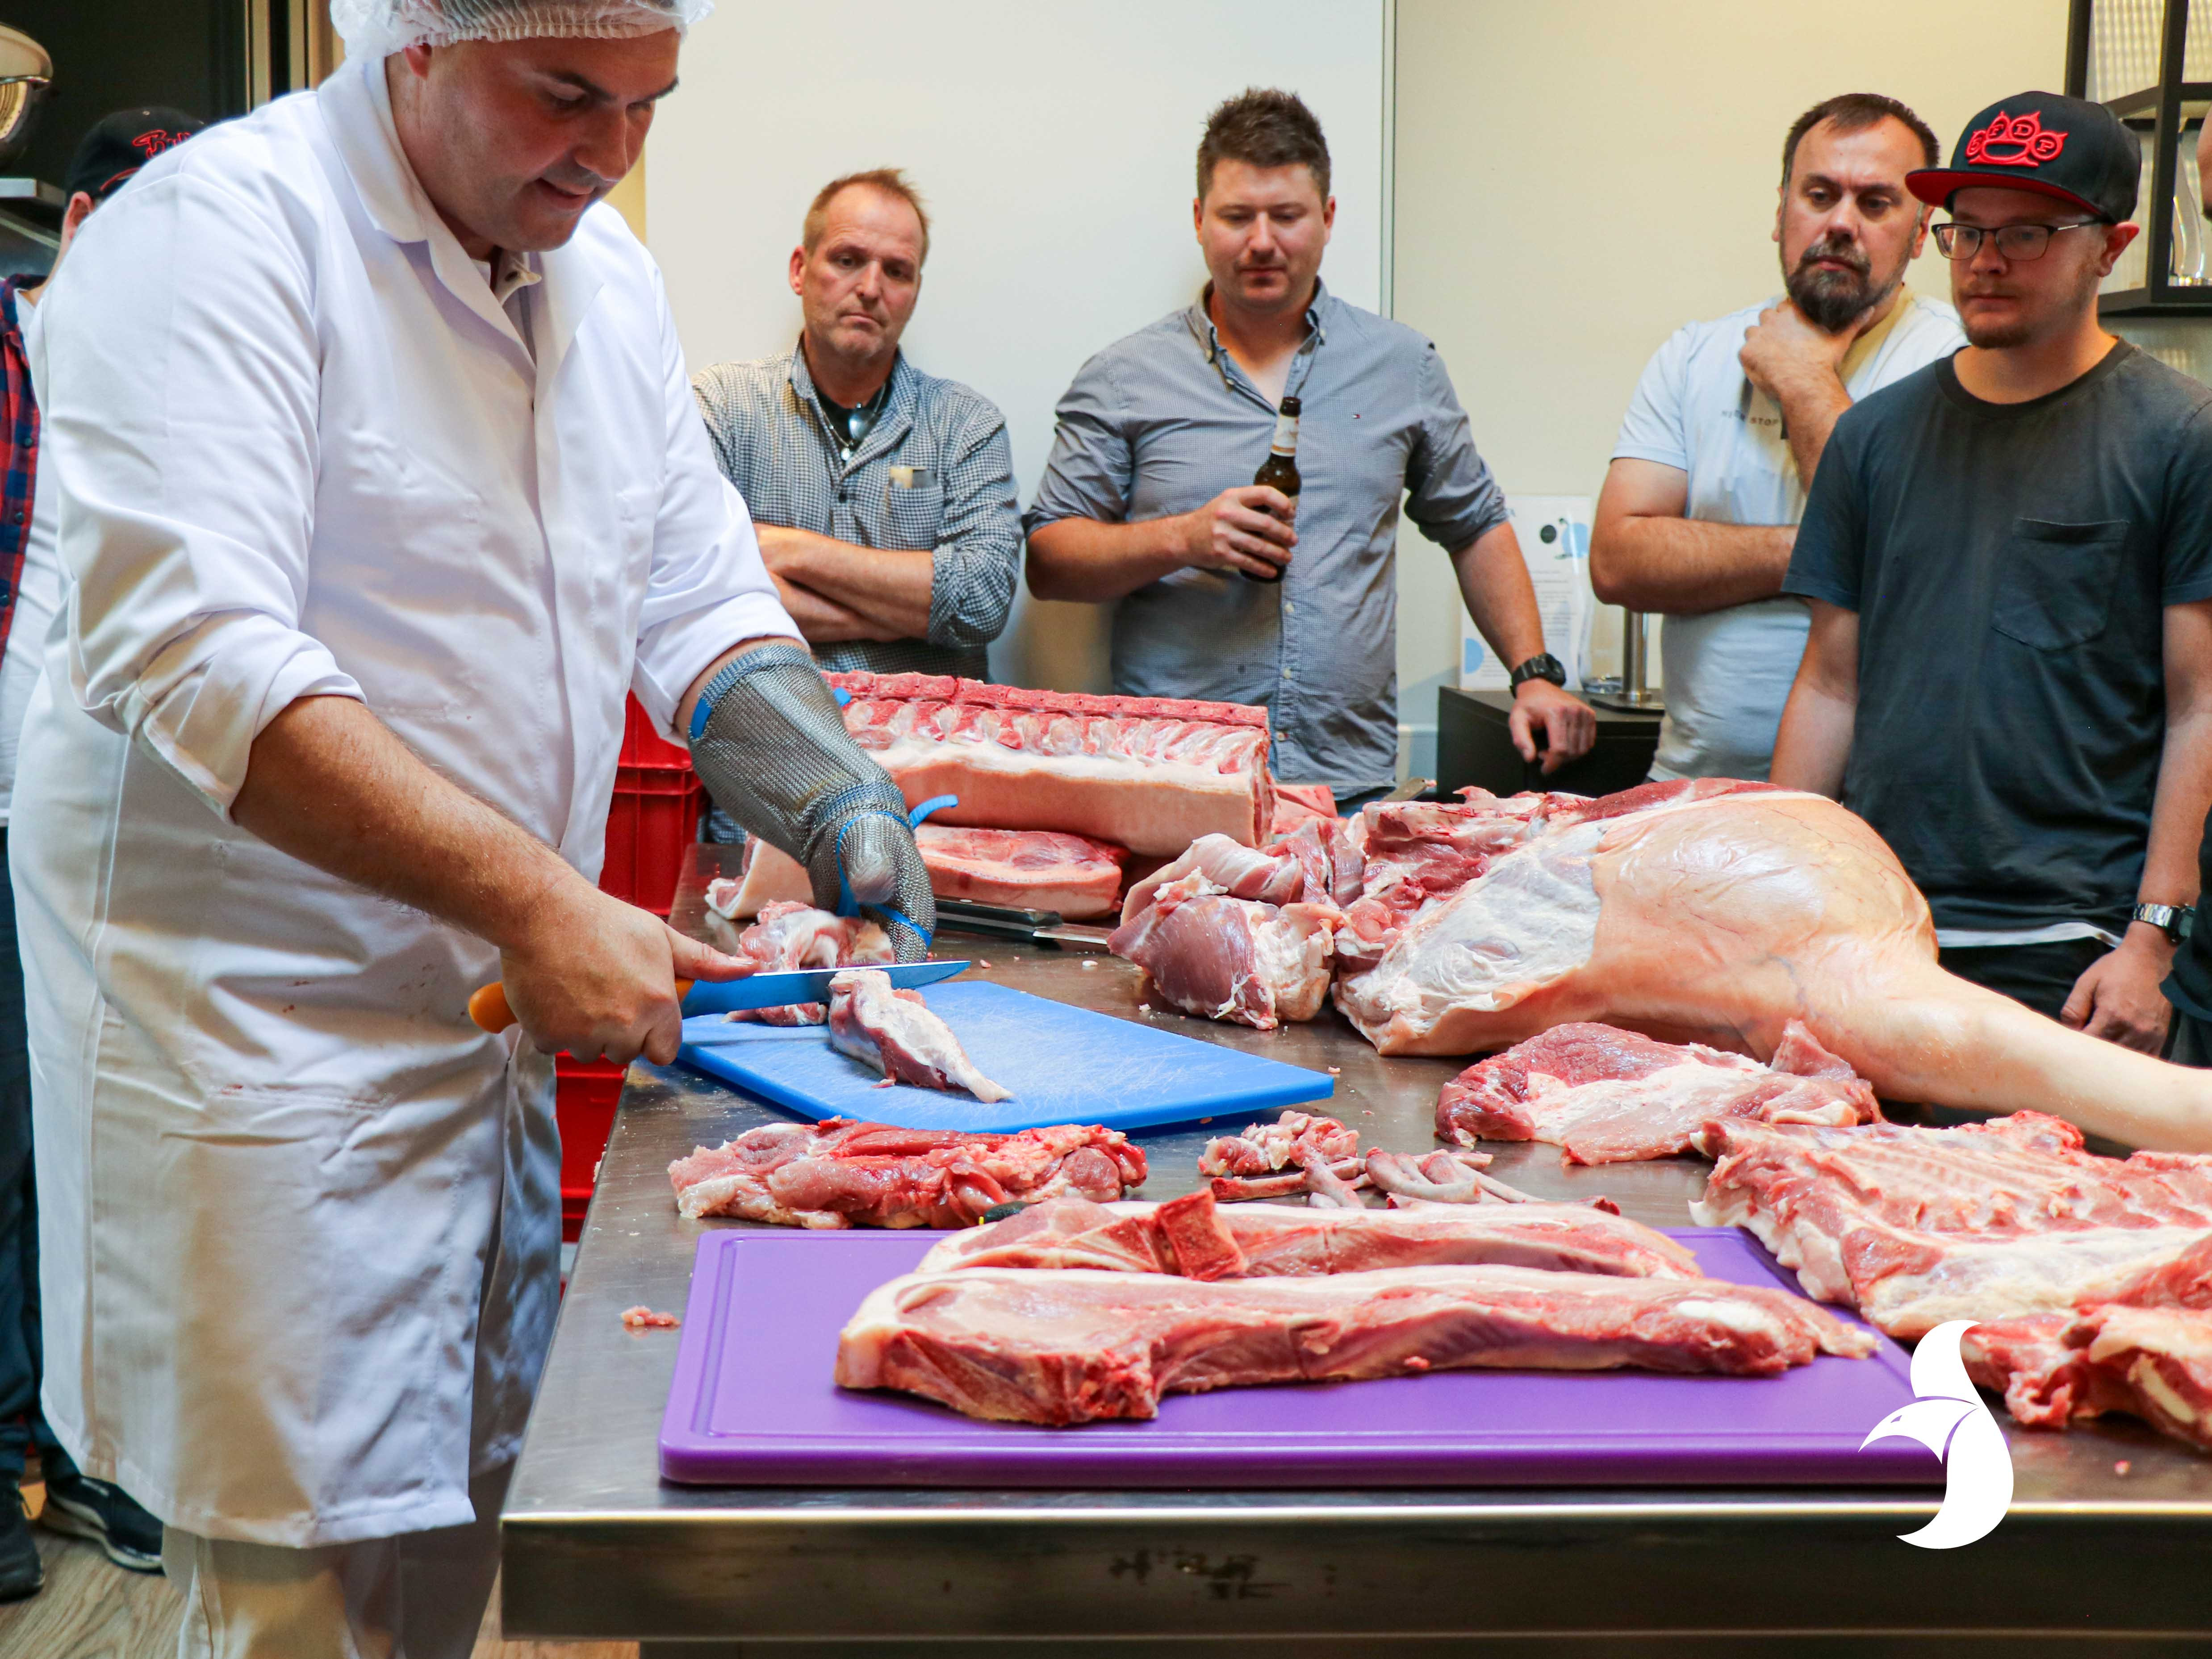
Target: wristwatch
{"type": "Point", "coordinates": [1542, 667]}
{"type": "Point", "coordinates": [2174, 921]}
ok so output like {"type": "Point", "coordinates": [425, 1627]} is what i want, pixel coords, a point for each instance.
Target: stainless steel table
{"type": "Point", "coordinates": [2090, 1560]}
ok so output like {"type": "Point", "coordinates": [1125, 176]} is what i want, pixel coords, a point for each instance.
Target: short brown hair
{"type": "Point", "coordinates": [1263, 127]}
{"type": "Point", "coordinates": [1855, 112]}
{"type": "Point", "coordinates": [892, 181]}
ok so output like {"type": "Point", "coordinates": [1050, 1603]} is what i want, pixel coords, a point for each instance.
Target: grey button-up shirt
{"type": "Point", "coordinates": [1164, 421]}
{"type": "Point", "coordinates": [934, 472]}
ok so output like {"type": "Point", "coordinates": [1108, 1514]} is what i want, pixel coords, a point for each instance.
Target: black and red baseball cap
{"type": "Point", "coordinates": [2045, 142]}
{"type": "Point", "coordinates": [120, 144]}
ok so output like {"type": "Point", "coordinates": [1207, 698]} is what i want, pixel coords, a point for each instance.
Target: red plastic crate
{"type": "Point", "coordinates": [586, 1093]}
{"type": "Point", "coordinates": [644, 746]}
{"type": "Point", "coordinates": [654, 818]}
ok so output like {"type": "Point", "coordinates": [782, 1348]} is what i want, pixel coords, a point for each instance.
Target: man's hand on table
{"type": "Point", "coordinates": [1245, 529]}
{"type": "Point", "coordinates": [1568, 723]}
{"type": "Point", "coordinates": [597, 977]}
{"type": "Point", "coordinates": [2118, 998]}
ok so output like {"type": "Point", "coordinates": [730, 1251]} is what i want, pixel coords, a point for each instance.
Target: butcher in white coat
{"type": "Point", "coordinates": [380, 484]}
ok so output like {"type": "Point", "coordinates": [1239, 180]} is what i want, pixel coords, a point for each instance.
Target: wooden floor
{"type": "Point", "coordinates": [92, 1609]}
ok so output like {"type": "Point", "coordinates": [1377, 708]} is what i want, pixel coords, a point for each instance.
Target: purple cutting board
{"type": "Point", "coordinates": [752, 1404]}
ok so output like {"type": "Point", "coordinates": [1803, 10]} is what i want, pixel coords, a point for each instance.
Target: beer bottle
{"type": "Point", "coordinates": [1280, 470]}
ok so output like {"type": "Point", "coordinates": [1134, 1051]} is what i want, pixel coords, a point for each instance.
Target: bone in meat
{"type": "Point", "coordinates": [1722, 918]}
{"type": "Point", "coordinates": [838, 1173]}
{"type": "Point", "coordinates": [1149, 773]}
{"type": "Point", "coordinates": [1199, 1239]}
{"type": "Point", "coordinates": [1231, 958]}
{"type": "Point", "coordinates": [1261, 1148]}
{"type": "Point", "coordinates": [788, 937]}
{"type": "Point", "coordinates": [1075, 1346]}
{"type": "Point", "coordinates": [1914, 1226]}
{"type": "Point", "coordinates": [2054, 1369]}
{"type": "Point", "coordinates": [895, 1033]}
{"type": "Point", "coordinates": [1605, 1096]}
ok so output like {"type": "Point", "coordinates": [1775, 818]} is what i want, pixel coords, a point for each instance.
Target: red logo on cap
{"type": "Point", "coordinates": [2027, 143]}
{"type": "Point", "coordinates": [150, 144]}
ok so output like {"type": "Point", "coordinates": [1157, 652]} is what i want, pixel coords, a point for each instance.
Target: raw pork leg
{"type": "Point", "coordinates": [1606, 1095]}
{"type": "Point", "coordinates": [895, 1034]}
{"type": "Point", "coordinates": [1057, 1348]}
{"type": "Point", "coordinates": [1028, 869]}
{"type": "Point", "coordinates": [838, 1173]}
{"type": "Point", "coordinates": [1720, 919]}
{"type": "Point", "coordinates": [1149, 774]}
{"type": "Point", "coordinates": [1195, 1237]}
{"type": "Point", "coordinates": [1231, 958]}
{"type": "Point", "coordinates": [2058, 1369]}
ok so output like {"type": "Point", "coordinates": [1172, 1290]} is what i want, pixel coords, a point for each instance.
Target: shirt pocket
{"type": "Point", "coordinates": [2055, 586]}
{"type": "Point", "coordinates": [914, 513]}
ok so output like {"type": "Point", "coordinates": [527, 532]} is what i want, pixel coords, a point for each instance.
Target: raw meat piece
{"type": "Point", "coordinates": [1606, 1095]}
{"type": "Point", "coordinates": [1057, 1348]}
{"type": "Point", "coordinates": [1300, 803]}
{"type": "Point", "coordinates": [643, 1318]}
{"type": "Point", "coordinates": [1027, 869]}
{"type": "Point", "coordinates": [1268, 875]}
{"type": "Point", "coordinates": [1719, 918]}
{"type": "Point", "coordinates": [894, 1032]}
{"type": "Point", "coordinates": [838, 1173]}
{"type": "Point", "coordinates": [1149, 773]}
{"type": "Point", "coordinates": [1231, 958]}
{"type": "Point", "coordinates": [1262, 1148]}
{"type": "Point", "coordinates": [792, 937]}
{"type": "Point", "coordinates": [2058, 1369]}
{"type": "Point", "coordinates": [1195, 1237]}
{"type": "Point", "coordinates": [1451, 1177]}
{"type": "Point", "coordinates": [1987, 1221]}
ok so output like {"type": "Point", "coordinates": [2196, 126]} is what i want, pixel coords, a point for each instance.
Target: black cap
{"type": "Point", "coordinates": [120, 144]}
{"type": "Point", "coordinates": [2068, 147]}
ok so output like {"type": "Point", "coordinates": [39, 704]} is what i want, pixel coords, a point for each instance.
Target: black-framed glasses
{"type": "Point", "coordinates": [1957, 241]}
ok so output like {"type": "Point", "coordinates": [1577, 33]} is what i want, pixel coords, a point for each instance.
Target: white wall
{"type": "Point", "coordinates": [1575, 180]}
{"type": "Point", "coordinates": [1053, 142]}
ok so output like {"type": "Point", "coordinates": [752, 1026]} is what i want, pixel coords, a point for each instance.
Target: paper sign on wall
{"type": "Point", "coordinates": [1554, 532]}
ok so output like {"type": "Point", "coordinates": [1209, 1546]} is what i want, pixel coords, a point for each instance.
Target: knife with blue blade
{"type": "Point", "coordinates": [489, 1006]}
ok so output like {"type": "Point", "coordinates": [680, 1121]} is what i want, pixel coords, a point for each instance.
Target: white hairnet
{"type": "Point", "coordinates": [377, 28]}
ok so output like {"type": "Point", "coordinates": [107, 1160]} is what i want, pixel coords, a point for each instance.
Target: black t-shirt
{"type": "Point", "coordinates": [2010, 564]}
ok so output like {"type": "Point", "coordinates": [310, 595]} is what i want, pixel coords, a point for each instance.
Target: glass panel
{"type": "Point", "coordinates": [2133, 266]}
{"type": "Point", "coordinates": [2190, 257]}
{"type": "Point", "coordinates": [2123, 40]}
{"type": "Point", "coordinates": [2197, 55]}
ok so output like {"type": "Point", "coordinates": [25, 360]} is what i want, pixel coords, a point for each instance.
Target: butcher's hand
{"type": "Point", "coordinates": [872, 865]}
{"type": "Point", "coordinates": [597, 977]}
{"type": "Point", "coordinates": [2118, 998]}
{"type": "Point", "coordinates": [1568, 725]}
{"type": "Point", "coordinates": [1246, 529]}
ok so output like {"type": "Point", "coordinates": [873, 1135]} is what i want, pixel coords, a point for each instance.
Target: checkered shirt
{"type": "Point", "coordinates": [935, 471]}
{"type": "Point", "coordinates": [19, 423]}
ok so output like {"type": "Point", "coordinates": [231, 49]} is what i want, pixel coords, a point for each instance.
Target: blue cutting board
{"type": "Point", "coordinates": [1065, 1065]}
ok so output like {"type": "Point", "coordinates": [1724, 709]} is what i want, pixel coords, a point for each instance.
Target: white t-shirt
{"type": "Point", "coordinates": [1728, 673]}
{"type": "Point", "coordinates": [38, 597]}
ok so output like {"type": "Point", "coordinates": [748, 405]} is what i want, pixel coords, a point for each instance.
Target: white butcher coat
{"type": "Point", "coordinates": [299, 1217]}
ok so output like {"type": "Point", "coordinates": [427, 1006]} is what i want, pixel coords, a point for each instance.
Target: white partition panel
{"type": "Point", "coordinates": [1054, 141]}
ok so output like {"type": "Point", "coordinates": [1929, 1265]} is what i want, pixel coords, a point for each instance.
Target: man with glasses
{"type": "Point", "coordinates": [1721, 440]}
{"type": "Point", "coordinates": [2009, 558]}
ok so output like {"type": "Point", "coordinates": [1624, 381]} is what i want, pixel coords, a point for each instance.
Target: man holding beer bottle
{"type": "Point", "coordinates": [1247, 593]}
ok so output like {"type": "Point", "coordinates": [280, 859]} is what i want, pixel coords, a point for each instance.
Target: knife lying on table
{"type": "Point", "coordinates": [1007, 921]}
{"type": "Point", "coordinates": [489, 1006]}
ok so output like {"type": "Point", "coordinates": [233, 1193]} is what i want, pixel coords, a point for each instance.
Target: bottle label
{"type": "Point", "coordinates": [1287, 435]}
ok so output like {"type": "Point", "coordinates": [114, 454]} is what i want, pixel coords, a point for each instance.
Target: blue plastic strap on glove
{"type": "Point", "coordinates": [934, 804]}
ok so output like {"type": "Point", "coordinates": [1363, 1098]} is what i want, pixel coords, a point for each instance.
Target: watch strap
{"type": "Point", "coordinates": [1542, 667]}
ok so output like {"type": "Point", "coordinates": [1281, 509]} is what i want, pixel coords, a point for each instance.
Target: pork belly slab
{"type": "Point", "coordinates": [1076, 1346]}
{"type": "Point", "coordinates": [1149, 774]}
{"type": "Point", "coordinates": [2056, 1368]}
{"type": "Point", "coordinates": [838, 1173]}
{"type": "Point", "coordinates": [1026, 869]}
{"type": "Point", "coordinates": [895, 1033]}
{"type": "Point", "coordinates": [1193, 1237]}
{"type": "Point", "coordinates": [1987, 1221]}
{"type": "Point", "coordinates": [1605, 1096]}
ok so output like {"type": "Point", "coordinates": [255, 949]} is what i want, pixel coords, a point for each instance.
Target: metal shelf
{"type": "Point", "coordinates": [2194, 300]}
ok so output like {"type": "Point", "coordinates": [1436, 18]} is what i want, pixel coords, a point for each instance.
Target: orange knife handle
{"type": "Point", "coordinates": [683, 988]}
{"type": "Point", "coordinates": [488, 1008]}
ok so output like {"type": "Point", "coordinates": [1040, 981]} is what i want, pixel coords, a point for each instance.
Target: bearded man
{"type": "Point", "coordinates": [1721, 442]}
